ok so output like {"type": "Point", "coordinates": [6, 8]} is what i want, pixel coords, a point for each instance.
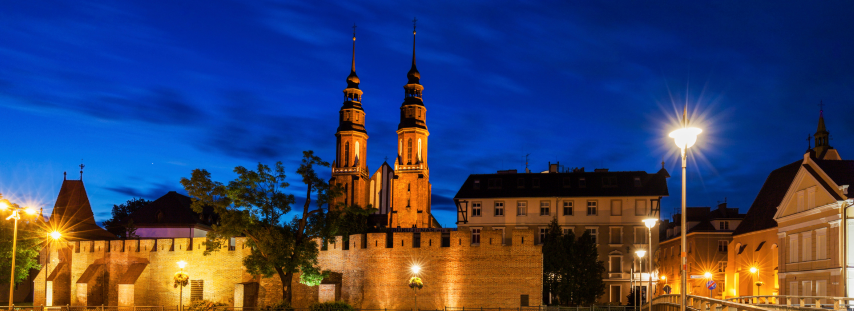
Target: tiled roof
{"type": "Point", "coordinates": [595, 184]}
{"type": "Point", "coordinates": [72, 214]}
{"type": "Point", "coordinates": [760, 216]}
{"type": "Point", "coordinates": [840, 171]}
{"type": "Point", "coordinates": [174, 209]}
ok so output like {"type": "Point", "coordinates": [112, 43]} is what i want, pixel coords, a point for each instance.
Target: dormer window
{"type": "Point", "coordinates": [476, 184]}
{"type": "Point", "coordinates": [637, 181]}
{"type": "Point", "coordinates": [535, 182]}
{"type": "Point", "coordinates": [582, 182]}
{"type": "Point", "coordinates": [159, 216]}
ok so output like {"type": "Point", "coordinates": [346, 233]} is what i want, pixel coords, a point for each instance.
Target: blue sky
{"type": "Point", "coordinates": [145, 91]}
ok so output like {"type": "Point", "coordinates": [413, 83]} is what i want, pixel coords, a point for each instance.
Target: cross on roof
{"type": "Point", "coordinates": [413, 23]}
{"type": "Point", "coordinates": [821, 105]}
{"type": "Point", "coordinates": [354, 29]}
{"type": "Point", "coordinates": [809, 141]}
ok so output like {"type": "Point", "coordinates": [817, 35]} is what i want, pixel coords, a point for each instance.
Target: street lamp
{"type": "Point", "coordinates": [16, 215]}
{"type": "Point", "coordinates": [640, 254]}
{"type": "Point", "coordinates": [181, 280]}
{"type": "Point", "coordinates": [754, 271]}
{"type": "Point", "coordinates": [55, 235]}
{"type": "Point", "coordinates": [708, 276]}
{"type": "Point", "coordinates": [649, 223]}
{"type": "Point", "coordinates": [415, 282]}
{"type": "Point", "coordinates": [684, 138]}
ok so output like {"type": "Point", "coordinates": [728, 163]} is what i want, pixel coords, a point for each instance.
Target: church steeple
{"type": "Point", "coordinates": [413, 74]}
{"type": "Point", "coordinates": [822, 136]}
{"type": "Point", "coordinates": [353, 79]}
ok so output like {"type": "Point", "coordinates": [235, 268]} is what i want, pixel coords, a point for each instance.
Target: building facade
{"type": "Point", "coordinates": [608, 205]}
{"type": "Point", "coordinates": [709, 233]}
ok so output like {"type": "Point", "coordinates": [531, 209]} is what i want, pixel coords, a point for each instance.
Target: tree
{"type": "Point", "coordinates": [119, 224]}
{"type": "Point", "coordinates": [31, 235]}
{"type": "Point", "coordinates": [572, 273]}
{"type": "Point", "coordinates": [253, 204]}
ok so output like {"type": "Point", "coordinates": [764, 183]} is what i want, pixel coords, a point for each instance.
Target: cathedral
{"type": "Point", "coordinates": [401, 194]}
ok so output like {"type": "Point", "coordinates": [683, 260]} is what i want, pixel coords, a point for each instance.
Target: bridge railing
{"type": "Point", "coordinates": [698, 303]}
{"type": "Point", "coordinates": [801, 302]}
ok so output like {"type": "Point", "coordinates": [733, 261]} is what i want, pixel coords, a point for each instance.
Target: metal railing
{"type": "Point", "coordinates": [698, 303]}
{"type": "Point", "coordinates": [797, 302]}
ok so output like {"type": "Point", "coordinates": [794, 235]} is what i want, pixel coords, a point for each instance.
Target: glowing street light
{"type": "Point", "coordinates": [16, 215]}
{"type": "Point", "coordinates": [181, 280]}
{"type": "Point", "coordinates": [684, 138]}
{"type": "Point", "coordinates": [415, 269]}
{"type": "Point", "coordinates": [708, 275]}
{"type": "Point", "coordinates": [753, 271]}
{"type": "Point", "coordinates": [415, 282]}
{"type": "Point", "coordinates": [55, 236]}
{"type": "Point", "coordinates": [649, 223]}
{"type": "Point", "coordinates": [640, 254]}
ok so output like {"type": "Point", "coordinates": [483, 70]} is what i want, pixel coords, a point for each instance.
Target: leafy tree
{"type": "Point", "coordinates": [119, 224]}
{"type": "Point", "coordinates": [572, 273]}
{"type": "Point", "coordinates": [31, 234]}
{"type": "Point", "coordinates": [253, 205]}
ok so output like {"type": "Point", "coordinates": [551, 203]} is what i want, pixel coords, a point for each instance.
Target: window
{"type": "Point", "coordinates": [475, 236]}
{"type": "Point", "coordinates": [545, 208]}
{"type": "Point", "coordinates": [521, 208]}
{"type": "Point", "coordinates": [820, 245]}
{"type": "Point", "coordinates": [616, 264]}
{"type": "Point", "coordinates": [409, 151]}
{"type": "Point", "coordinates": [637, 181]}
{"type": "Point", "coordinates": [722, 245]}
{"type": "Point", "coordinates": [609, 182]}
{"type": "Point", "coordinates": [593, 234]}
{"type": "Point", "coordinates": [502, 233]}
{"type": "Point", "coordinates": [724, 225]}
{"type": "Point", "coordinates": [499, 208]}
{"type": "Point", "coordinates": [807, 249]}
{"type": "Point", "coordinates": [567, 231]}
{"type": "Point", "coordinates": [535, 183]}
{"type": "Point", "coordinates": [347, 154]}
{"type": "Point", "coordinates": [567, 208]}
{"type": "Point", "coordinates": [567, 182]}
{"type": "Point", "coordinates": [543, 233]}
{"type": "Point", "coordinates": [722, 266]}
{"type": "Point", "coordinates": [793, 248]}
{"type": "Point", "coordinates": [760, 246]}
{"type": "Point", "coordinates": [476, 184]}
{"type": "Point", "coordinates": [807, 288]}
{"type": "Point", "coordinates": [793, 289]}
{"type": "Point", "coordinates": [616, 207]}
{"type": "Point", "coordinates": [582, 182]}
{"type": "Point", "coordinates": [197, 290]}
{"type": "Point", "coordinates": [616, 235]}
{"type": "Point", "coordinates": [616, 296]}
{"type": "Point", "coordinates": [640, 235]}
{"type": "Point", "coordinates": [740, 249]}
{"type": "Point", "coordinates": [821, 288]}
{"type": "Point", "coordinates": [495, 183]}
{"type": "Point", "coordinates": [475, 209]}
{"type": "Point", "coordinates": [523, 300]}
{"type": "Point", "coordinates": [640, 208]}
{"type": "Point", "coordinates": [591, 207]}
{"type": "Point", "coordinates": [520, 183]}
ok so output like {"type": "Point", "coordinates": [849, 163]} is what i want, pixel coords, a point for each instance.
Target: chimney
{"type": "Point", "coordinates": [553, 167]}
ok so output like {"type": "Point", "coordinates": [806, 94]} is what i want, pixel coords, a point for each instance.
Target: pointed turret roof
{"type": "Point", "coordinates": [72, 214]}
{"type": "Point", "coordinates": [413, 74]}
{"type": "Point", "coordinates": [353, 79]}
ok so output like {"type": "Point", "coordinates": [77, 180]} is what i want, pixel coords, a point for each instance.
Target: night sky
{"type": "Point", "coordinates": [144, 92]}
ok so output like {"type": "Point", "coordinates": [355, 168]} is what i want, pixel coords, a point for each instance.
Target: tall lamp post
{"type": "Point", "coordinates": [415, 283]}
{"type": "Point", "coordinates": [708, 276]}
{"type": "Point", "coordinates": [684, 137]}
{"type": "Point", "coordinates": [754, 271]}
{"type": "Point", "coordinates": [55, 235]}
{"type": "Point", "coordinates": [640, 254]}
{"type": "Point", "coordinates": [181, 280]}
{"type": "Point", "coordinates": [649, 223]}
{"type": "Point", "coordinates": [16, 215]}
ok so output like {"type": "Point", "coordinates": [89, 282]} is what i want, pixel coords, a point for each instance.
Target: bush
{"type": "Point", "coordinates": [204, 305]}
{"type": "Point", "coordinates": [331, 306]}
{"type": "Point", "coordinates": [281, 306]}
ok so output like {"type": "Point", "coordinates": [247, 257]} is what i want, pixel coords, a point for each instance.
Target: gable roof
{"type": "Point", "coordinates": [760, 216]}
{"type": "Point", "coordinates": [174, 209]}
{"type": "Point", "coordinates": [565, 185]}
{"type": "Point", "coordinates": [72, 214]}
{"type": "Point", "coordinates": [840, 171]}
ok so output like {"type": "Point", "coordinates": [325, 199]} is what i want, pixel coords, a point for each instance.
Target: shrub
{"type": "Point", "coordinates": [281, 306]}
{"type": "Point", "coordinates": [204, 305]}
{"type": "Point", "coordinates": [331, 306]}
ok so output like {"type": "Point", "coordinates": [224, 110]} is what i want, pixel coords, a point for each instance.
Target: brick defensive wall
{"type": "Point", "coordinates": [371, 272]}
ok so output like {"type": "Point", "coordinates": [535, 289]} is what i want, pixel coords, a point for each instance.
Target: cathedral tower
{"type": "Point", "coordinates": [412, 189]}
{"type": "Point", "coordinates": [822, 149]}
{"type": "Point", "coordinates": [349, 168]}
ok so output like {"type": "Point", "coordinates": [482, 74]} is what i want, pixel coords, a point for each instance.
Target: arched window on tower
{"type": "Point", "coordinates": [409, 151]}
{"type": "Point", "coordinates": [419, 150]}
{"type": "Point", "coordinates": [356, 162]}
{"type": "Point", "coordinates": [347, 154]}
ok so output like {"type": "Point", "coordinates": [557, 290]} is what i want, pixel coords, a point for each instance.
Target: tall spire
{"type": "Point", "coordinates": [413, 75]}
{"type": "Point", "coordinates": [821, 127]}
{"type": "Point", "coordinates": [822, 136]}
{"type": "Point", "coordinates": [353, 79]}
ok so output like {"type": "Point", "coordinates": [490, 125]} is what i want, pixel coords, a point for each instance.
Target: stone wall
{"type": "Point", "coordinates": [368, 274]}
